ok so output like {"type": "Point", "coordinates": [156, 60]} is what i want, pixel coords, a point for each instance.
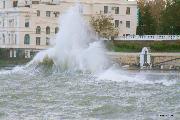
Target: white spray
{"type": "Point", "coordinates": [75, 46]}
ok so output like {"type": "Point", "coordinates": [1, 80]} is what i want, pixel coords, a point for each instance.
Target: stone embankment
{"type": "Point", "coordinates": [158, 60]}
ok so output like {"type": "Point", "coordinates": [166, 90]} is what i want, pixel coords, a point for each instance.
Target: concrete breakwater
{"type": "Point", "coordinates": [158, 60]}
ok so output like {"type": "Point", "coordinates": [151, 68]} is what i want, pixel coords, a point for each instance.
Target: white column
{"type": "Point", "coordinates": [10, 53]}
{"type": "Point", "coordinates": [15, 53]}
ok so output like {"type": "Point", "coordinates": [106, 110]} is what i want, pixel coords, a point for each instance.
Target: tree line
{"type": "Point", "coordinates": [158, 17]}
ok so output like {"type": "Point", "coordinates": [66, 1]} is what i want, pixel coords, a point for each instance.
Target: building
{"type": "Point", "coordinates": [26, 26]}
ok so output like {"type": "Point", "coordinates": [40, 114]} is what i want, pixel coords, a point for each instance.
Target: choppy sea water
{"type": "Point", "coordinates": [38, 95]}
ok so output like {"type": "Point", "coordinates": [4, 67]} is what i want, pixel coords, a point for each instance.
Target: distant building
{"type": "Point", "coordinates": [26, 26]}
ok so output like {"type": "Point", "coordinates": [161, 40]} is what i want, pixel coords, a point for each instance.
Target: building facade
{"type": "Point", "coordinates": [27, 26]}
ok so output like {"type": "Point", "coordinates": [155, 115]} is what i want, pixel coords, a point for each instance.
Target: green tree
{"type": "Point", "coordinates": [170, 21]}
{"type": "Point", "coordinates": [103, 25]}
{"type": "Point", "coordinates": [140, 30]}
{"type": "Point", "coordinates": [157, 8]}
{"type": "Point", "coordinates": [147, 23]}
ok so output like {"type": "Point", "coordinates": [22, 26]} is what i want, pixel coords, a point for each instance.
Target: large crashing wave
{"type": "Point", "coordinates": [75, 46]}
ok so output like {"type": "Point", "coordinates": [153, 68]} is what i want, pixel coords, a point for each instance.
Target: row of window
{"type": "Point", "coordinates": [116, 9]}
{"type": "Point", "coordinates": [48, 30]}
{"type": "Point", "coordinates": [117, 22]}
{"type": "Point", "coordinates": [38, 28]}
{"type": "Point", "coordinates": [38, 40]}
{"type": "Point", "coordinates": [11, 39]}
{"type": "Point", "coordinates": [48, 13]}
{"type": "Point", "coordinates": [106, 10]}
{"type": "Point", "coordinates": [8, 22]}
{"type": "Point", "coordinates": [15, 3]}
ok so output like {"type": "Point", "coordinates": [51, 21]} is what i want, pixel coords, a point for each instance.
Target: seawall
{"type": "Point", "coordinates": [158, 60]}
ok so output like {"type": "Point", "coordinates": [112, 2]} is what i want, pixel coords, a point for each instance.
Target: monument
{"type": "Point", "coordinates": [145, 58]}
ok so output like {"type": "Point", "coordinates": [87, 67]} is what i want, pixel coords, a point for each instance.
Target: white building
{"type": "Point", "coordinates": [27, 25]}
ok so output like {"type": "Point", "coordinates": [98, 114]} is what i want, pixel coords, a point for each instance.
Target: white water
{"type": "Point", "coordinates": [76, 48]}
{"type": "Point", "coordinates": [100, 91]}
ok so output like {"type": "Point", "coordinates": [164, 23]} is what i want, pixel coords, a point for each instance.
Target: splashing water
{"type": "Point", "coordinates": [76, 47]}
{"type": "Point", "coordinates": [100, 91]}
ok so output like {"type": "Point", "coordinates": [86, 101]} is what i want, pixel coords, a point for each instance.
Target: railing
{"type": "Point", "coordinates": [160, 63]}
{"type": "Point", "coordinates": [149, 37]}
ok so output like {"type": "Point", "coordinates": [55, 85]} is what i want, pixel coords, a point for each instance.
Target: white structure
{"type": "Point", "coordinates": [27, 25]}
{"type": "Point", "coordinates": [145, 57]}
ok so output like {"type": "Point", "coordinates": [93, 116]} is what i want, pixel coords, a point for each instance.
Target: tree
{"type": "Point", "coordinates": [140, 30]}
{"type": "Point", "coordinates": [147, 23]}
{"type": "Point", "coordinates": [159, 17]}
{"type": "Point", "coordinates": [103, 25]}
{"type": "Point", "coordinates": [157, 7]}
{"type": "Point", "coordinates": [170, 21]}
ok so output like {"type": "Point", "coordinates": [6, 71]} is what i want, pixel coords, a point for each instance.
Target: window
{"type": "Point", "coordinates": [38, 40]}
{"type": "Point", "coordinates": [26, 39]}
{"type": "Point", "coordinates": [3, 22]}
{"type": "Point", "coordinates": [47, 30]}
{"type": "Point", "coordinates": [127, 24]}
{"type": "Point", "coordinates": [128, 10]}
{"type": "Point", "coordinates": [105, 9]}
{"type": "Point", "coordinates": [12, 39]}
{"type": "Point", "coordinates": [35, 2]}
{"type": "Point", "coordinates": [4, 39]}
{"type": "Point", "coordinates": [27, 53]}
{"type": "Point", "coordinates": [47, 41]}
{"type": "Point", "coordinates": [48, 13]}
{"type": "Point", "coordinates": [38, 30]}
{"type": "Point", "coordinates": [116, 23]}
{"type": "Point", "coordinates": [9, 38]}
{"type": "Point", "coordinates": [56, 30]}
{"type": "Point", "coordinates": [15, 39]}
{"type": "Point", "coordinates": [27, 3]}
{"type": "Point", "coordinates": [38, 13]}
{"type": "Point", "coordinates": [4, 4]}
{"type": "Point", "coordinates": [15, 3]}
{"type": "Point", "coordinates": [27, 23]}
{"type": "Point", "coordinates": [11, 23]}
{"type": "Point", "coordinates": [56, 14]}
{"type": "Point", "coordinates": [117, 10]}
